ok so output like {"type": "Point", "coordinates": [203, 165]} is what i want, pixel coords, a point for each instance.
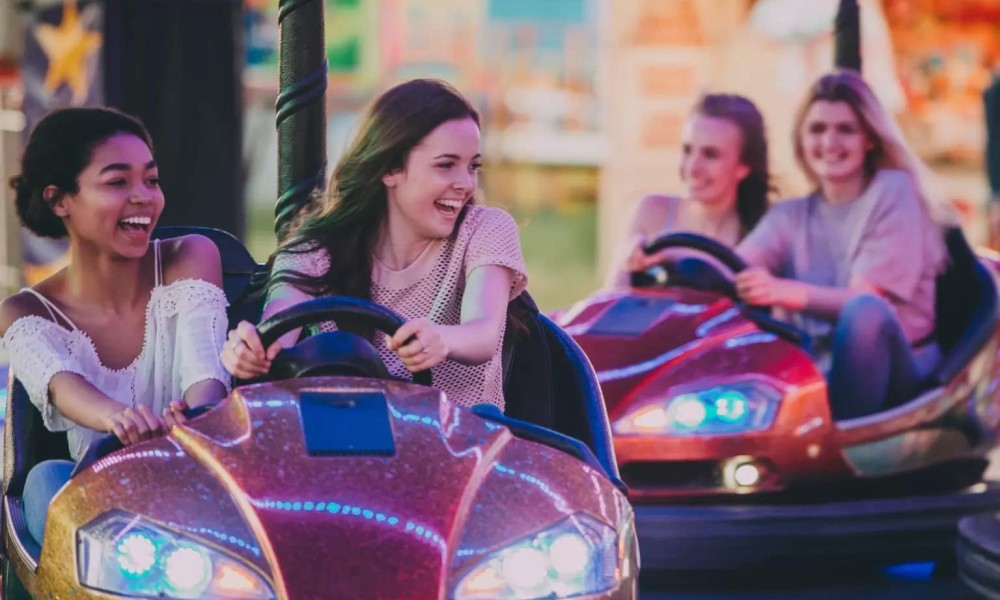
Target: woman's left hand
{"type": "Point", "coordinates": [758, 287]}
{"type": "Point", "coordinates": [420, 344]}
{"type": "Point", "coordinates": [174, 414]}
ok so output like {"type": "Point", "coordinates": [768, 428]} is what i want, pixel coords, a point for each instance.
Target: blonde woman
{"type": "Point", "coordinates": [857, 259]}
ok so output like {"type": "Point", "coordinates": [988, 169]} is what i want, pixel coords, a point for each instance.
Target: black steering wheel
{"type": "Point", "coordinates": [333, 352]}
{"type": "Point", "coordinates": [701, 274]}
{"type": "Point", "coordinates": [693, 272]}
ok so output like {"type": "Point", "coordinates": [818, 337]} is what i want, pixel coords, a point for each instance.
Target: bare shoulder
{"type": "Point", "coordinates": [191, 257]}
{"type": "Point", "coordinates": [18, 306]}
{"type": "Point", "coordinates": [655, 206]}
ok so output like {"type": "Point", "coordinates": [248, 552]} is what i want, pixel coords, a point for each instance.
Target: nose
{"type": "Point", "coordinates": [465, 181]}
{"type": "Point", "coordinates": [140, 195]}
{"type": "Point", "coordinates": [829, 137]}
{"type": "Point", "coordinates": [691, 165]}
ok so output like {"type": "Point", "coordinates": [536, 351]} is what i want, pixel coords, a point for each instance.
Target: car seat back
{"type": "Point", "coordinates": [238, 270]}
{"type": "Point", "coordinates": [527, 366]}
{"type": "Point", "coordinates": [966, 308]}
{"type": "Point", "coordinates": [549, 381]}
{"type": "Point", "coordinates": [26, 440]}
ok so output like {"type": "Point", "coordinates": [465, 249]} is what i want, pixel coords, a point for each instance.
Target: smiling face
{"type": "Point", "coordinates": [834, 142]}
{"type": "Point", "coordinates": [711, 167]}
{"type": "Point", "coordinates": [118, 201]}
{"type": "Point", "coordinates": [427, 195]}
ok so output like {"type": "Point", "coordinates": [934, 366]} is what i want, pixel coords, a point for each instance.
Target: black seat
{"type": "Point", "coordinates": [967, 308]}
{"type": "Point", "coordinates": [549, 381]}
{"type": "Point", "coordinates": [238, 269]}
{"type": "Point", "coordinates": [26, 440]}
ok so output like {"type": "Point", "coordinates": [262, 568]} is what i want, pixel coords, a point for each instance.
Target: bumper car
{"type": "Point", "coordinates": [333, 480]}
{"type": "Point", "coordinates": [724, 436]}
{"type": "Point", "coordinates": [979, 554]}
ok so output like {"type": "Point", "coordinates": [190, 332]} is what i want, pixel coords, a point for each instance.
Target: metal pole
{"type": "Point", "coordinates": [301, 109]}
{"type": "Point", "coordinates": [847, 36]}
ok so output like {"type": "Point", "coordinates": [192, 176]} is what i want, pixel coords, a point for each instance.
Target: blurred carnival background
{"type": "Point", "coordinates": [582, 100]}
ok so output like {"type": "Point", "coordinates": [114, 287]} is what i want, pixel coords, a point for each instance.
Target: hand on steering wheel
{"type": "Point", "coordinates": [657, 252]}
{"type": "Point", "coordinates": [353, 353]}
{"type": "Point", "coordinates": [762, 287]}
{"type": "Point", "coordinates": [419, 344]}
{"type": "Point", "coordinates": [244, 356]}
{"type": "Point", "coordinates": [638, 260]}
{"type": "Point", "coordinates": [134, 424]}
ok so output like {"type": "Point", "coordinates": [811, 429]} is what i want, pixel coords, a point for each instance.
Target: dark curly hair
{"type": "Point", "coordinates": [59, 149]}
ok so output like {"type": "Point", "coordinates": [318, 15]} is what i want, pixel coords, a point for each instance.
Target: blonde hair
{"type": "Point", "coordinates": [889, 150]}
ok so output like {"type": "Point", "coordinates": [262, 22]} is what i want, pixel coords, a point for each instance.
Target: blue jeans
{"type": "Point", "coordinates": [44, 480]}
{"type": "Point", "coordinates": [874, 366]}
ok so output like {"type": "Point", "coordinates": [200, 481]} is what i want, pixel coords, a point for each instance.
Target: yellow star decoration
{"type": "Point", "coordinates": [68, 46]}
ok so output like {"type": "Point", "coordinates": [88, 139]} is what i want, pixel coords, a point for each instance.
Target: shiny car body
{"type": "Point", "coordinates": [334, 481]}
{"type": "Point", "coordinates": [292, 522]}
{"type": "Point", "coordinates": [718, 410]}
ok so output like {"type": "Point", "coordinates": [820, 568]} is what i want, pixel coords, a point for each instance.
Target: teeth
{"type": "Point", "coordinates": [451, 203]}
{"type": "Point", "coordinates": [137, 220]}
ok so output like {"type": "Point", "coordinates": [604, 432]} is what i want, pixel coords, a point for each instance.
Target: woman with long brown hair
{"type": "Point", "coordinates": [398, 225]}
{"type": "Point", "coordinates": [724, 167]}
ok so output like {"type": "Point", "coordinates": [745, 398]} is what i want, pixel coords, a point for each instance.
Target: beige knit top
{"type": "Point", "coordinates": [433, 287]}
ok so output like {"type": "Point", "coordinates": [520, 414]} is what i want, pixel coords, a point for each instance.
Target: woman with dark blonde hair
{"type": "Point", "coordinates": [857, 259]}
{"type": "Point", "coordinates": [724, 166]}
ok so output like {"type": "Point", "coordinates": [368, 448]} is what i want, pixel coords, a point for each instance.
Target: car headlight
{"type": "Point", "coordinates": [579, 555]}
{"type": "Point", "coordinates": [731, 408]}
{"type": "Point", "coordinates": [125, 554]}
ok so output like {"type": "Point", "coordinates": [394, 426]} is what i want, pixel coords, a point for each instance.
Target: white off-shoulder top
{"type": "Point", "coordinates": [185, 329]}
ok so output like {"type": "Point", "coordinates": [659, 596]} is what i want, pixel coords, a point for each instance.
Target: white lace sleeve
{"type": "Point", "coordinates": [38, 349]}
{"type": "Point", "coordinates": [200, 310]}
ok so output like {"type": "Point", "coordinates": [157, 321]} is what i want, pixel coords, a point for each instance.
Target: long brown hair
{"type": "Point", "coordinates": [345, 220]}
{"type": "Point", "coordinates": [753, 192]}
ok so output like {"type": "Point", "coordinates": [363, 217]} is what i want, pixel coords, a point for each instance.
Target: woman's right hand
{"type": "Point", "coordinates": [134, 424]}
{"type": "Point", "coordinates": [638, 261]}
{"type": "Point", "coordinates": [244, 356]}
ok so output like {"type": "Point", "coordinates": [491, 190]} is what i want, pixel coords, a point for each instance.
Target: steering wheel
{"type": "Point", "coordinates": [704, 275]}
{"type": "Point", "coordinates": [694, 272]}
{"type": "Point", "coordinates": [332, 352]}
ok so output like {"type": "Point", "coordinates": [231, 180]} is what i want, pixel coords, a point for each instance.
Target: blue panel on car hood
{"type": "Point", "coordinates": [631, 316]}
{"type": "Point", "coordinates": [346, 424]}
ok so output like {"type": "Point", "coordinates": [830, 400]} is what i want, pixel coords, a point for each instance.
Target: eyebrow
{"type": "Point", "coordinates": [124, 167]}
{"type": "Point", "coordinates": [455, 156]}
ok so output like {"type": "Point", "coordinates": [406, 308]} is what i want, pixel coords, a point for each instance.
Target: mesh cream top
{"type": "Point", "coordinates": [433, 287]}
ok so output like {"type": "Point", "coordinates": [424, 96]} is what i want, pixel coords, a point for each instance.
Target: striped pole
{"type": "Point", "coordinates": [300, 108]}
{"type": "Point", "coordinates": [847, 36]}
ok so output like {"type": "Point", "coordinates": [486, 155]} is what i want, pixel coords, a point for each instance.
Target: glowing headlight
{"type": "Point", "coordinates": [125, 554]}
{"type": "Point", "coordinates": [578, 556]}
{"type": "Point", "coordinates": [732, 408]}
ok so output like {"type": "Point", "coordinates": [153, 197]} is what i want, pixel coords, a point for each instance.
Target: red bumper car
{"type": "Point", "coordinates": [724, 435]}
